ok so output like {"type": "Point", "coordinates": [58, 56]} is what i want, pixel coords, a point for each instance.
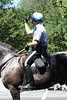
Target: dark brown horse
{"type": "Point", "coordinates": [12, 76]}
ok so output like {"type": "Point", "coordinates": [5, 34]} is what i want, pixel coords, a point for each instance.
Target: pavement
{"type": "Point", "coordinates": [2, 87]}
{"type": "Point", "coordinates": [34, 95]}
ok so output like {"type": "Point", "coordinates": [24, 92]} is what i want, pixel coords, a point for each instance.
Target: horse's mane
{"type": "Point", "coordinates": [8, 46]}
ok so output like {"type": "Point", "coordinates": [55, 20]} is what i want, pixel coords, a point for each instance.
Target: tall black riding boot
{"type": "Point", "coordinates": [29, 79]}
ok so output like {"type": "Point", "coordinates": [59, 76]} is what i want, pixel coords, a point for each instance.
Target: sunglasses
{"type": "Point", "coordinates": [34, 20]}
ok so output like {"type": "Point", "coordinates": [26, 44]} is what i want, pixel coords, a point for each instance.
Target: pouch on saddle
{"type": "Point", "coordinates": [41, 64]}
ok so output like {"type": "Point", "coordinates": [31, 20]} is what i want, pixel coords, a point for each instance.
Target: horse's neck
{"type": "Point", "coordinates": [6, 57]}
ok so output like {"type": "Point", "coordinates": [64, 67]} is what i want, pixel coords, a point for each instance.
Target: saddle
{"type": "Point", "coordinates": [42, 63]}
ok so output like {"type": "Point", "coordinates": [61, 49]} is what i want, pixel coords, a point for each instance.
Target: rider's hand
{"type": "Point", "coordinates": [26, 19]}
{"type": "Point", "coordinates": [27, 47]}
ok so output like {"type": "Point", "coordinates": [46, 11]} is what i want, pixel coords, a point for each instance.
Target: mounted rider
{"type": "Point", "coordinates": [39, 46]}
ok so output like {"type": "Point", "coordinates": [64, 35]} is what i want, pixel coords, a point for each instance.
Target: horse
{"type": "Point", "coordinates": [12, 76]}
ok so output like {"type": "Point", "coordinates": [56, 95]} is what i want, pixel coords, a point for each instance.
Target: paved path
{"type": "Point", "coordinates": [34, 95]}
{"type": "Point", "coordinates": [2, 88]}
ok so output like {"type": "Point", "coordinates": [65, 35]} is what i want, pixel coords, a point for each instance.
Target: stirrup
{"type": "Point", "coordinates": [27, 87]}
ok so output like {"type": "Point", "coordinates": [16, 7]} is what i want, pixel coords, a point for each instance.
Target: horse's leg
{"type": "Point", "coordinates": [14, 92]}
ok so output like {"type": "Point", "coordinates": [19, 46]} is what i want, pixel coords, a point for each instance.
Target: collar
{"type": "Point", "coordinates": [38, 24]}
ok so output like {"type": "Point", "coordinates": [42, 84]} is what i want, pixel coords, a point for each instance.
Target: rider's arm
{"type": "Point", "coordinates": [34, 43]}
{"type": "Point", "coordinates": [27, 28]}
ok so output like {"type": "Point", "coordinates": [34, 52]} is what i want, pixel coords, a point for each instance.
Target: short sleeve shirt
{"type": "Point", "coordinates": [39, 34]}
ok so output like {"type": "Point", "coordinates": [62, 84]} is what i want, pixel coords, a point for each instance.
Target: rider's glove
{"type": "Point", "coordinates": [27, 47]}
{"type": "Point", "coordinates": [26, 19]}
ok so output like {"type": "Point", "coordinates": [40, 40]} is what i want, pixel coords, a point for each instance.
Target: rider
{"type": "Point", "coordinates": [39, 46]}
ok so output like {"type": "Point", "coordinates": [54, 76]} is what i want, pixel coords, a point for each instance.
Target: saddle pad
{"type": "Point", "coordinates": [21, 60]}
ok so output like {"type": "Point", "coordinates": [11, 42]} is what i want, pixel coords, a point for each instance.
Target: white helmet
{"type": "Point", "coordinates": [37, 16]}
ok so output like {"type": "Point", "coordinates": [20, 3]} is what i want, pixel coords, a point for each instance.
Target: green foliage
{"type": "Point", "coordinates": [56, 27]}
{"type": "Point", "coordinates": [4, 3]}
{"type": "Point", "coordinates": [33, 5]}
{"type": "Point", "coordinates": [12, 29]}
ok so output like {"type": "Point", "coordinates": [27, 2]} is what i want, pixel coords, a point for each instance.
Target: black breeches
{"type": "Point", "coordinates": [31, 58]}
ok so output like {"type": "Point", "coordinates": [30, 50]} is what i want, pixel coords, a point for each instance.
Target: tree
{"type": "Point", "coordinates": [56, 26]}
{"type": "Point", "coordinates": [12, 29]}
{"type": "Point", "coordinates": [5, 3]}
{"type": "Point", "coordinates": [35, 5]}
